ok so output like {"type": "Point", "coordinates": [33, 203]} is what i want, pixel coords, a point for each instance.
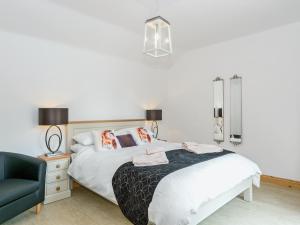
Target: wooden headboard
{"type": "Point", "coordinates": [76, 127]}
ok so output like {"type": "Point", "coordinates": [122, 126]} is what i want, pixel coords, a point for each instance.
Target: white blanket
{"type": "Point", "coordinates": [197, 184]}
{"type": "Point", "coordinates": [95, 170]}
{"type": "Point", "coordinates": [179, 194]}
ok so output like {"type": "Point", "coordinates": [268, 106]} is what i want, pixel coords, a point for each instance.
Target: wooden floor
{"type": "Point", "coordinates": [272, 205]}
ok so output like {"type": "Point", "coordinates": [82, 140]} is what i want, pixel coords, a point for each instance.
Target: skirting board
{"type": "Point", "coordinates": [281, 181]}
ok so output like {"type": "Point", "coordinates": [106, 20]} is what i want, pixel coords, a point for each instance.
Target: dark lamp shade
{"type": "Point", "coordinates": [154, 114]}
{"type": "Point", "coordinates": [53, 116]}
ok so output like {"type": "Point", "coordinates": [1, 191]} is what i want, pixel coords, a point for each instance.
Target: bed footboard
{"type": "Point", "coordinates": [210, 207]}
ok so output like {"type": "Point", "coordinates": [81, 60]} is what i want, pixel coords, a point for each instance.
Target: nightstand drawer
{"type": "Point", "coordinates": [57, 187]}
{"type": "Point", "coordinates": [56, 176]}
{"type": "Point", "coordinates": [57, 165]}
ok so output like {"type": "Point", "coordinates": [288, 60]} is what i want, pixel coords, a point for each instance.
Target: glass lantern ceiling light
{"type": "Point", "coordinates": [157, 42]}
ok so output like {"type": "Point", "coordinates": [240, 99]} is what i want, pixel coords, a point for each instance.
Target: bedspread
{"type": "Point", "coordinates": [134, 186]}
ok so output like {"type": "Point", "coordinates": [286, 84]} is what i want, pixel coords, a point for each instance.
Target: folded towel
{"type": "Point", "coordinates": [201, 148]}
{"type": "Point", "coordinates": [190, 144]}
{"type": "Point", "coordinates": [150, 160]}
{"type": "Point", "coordinates": [153, 150]}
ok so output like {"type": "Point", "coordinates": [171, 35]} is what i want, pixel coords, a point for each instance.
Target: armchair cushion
{"type": "Point", "coordinates": [13, 189]}
{"type": "Point", "coordinates": [22, 167]}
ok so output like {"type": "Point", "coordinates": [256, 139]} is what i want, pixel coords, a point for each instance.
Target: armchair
{"type": "Point", "coordinates": [22, 184]}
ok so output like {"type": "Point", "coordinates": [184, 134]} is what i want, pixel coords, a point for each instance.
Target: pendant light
{"type": "Point", "coordinates": [157, 41]}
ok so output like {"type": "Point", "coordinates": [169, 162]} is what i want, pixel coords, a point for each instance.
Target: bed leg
{"type": "Point", "coordinates": [248, 194]}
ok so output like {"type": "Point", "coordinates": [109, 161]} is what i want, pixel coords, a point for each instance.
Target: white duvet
{"type": "Point", "coordinates": [178, 195]}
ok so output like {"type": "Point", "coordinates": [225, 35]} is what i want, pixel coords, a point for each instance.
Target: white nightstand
{"type": "Point", "coordinates": [57, 180]}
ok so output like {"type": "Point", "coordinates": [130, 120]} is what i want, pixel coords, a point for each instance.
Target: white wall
{"type": "Point", "coordinates": [55, 56]}
{"type": "Point", "coordinates": [269, 65]}
{"type": "Point", "coordinates": [36, 73]}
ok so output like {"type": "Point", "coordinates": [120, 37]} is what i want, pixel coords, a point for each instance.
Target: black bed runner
{"type": "Point", "coordinates": [134, 186]}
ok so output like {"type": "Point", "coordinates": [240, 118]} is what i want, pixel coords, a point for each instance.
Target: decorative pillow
{"type": "Point", "coordinates": [85, 138]}
{"type": "Point", "coordinates": [126, 140]}
{"type": "Point", "coordinates": [150, 132]}
{"type": "Point", "coordinates": [106, 140]}
{"type": "Point", "coordinates": [143, 134]}
{"type": "Point", "coordinates": [134, 132]}
{"type": "Point", "coordinates": [109, 140]}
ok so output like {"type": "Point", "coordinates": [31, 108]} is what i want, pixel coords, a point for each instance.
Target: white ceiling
{"type": "Point", "coordinates": [195, 23]}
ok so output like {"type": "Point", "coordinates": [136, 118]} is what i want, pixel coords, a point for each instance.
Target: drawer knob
{"type": "Point", "coordinates": [57, 188]}
{"type": "Point", "coordinates": [57, 166]}
{"type": "Point", "coordinates": [57, 177]}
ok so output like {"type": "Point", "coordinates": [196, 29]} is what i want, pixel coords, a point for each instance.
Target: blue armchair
{"type": "Point", "coordinates": [22, 184]}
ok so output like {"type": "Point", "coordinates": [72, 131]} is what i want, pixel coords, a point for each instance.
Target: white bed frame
{"type": "Point", "coordinates": [204, 211]}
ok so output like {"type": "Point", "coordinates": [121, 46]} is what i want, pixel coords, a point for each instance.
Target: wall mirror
{"type": "Point", "coordinates": [236, 110]}
{"type": "Point", "coordinates": [218, 85]}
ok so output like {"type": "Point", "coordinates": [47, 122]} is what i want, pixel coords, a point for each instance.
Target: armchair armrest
{"type": "Point", "coordinates": [24, 167]}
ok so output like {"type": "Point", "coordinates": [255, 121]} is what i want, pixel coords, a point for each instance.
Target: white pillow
{"type": "Point", "coordinates": [79, 147]}
{"type": "Point", "coordinates": [97, 140]}
{"type": "Point", "coordinates": [85, 138]}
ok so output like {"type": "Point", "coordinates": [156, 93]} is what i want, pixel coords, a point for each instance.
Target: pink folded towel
{"type": "Point", "coordinates": [201, 148]}
{"type": "Point", "coordinates": [153, 150]}
{"type": "Point", "coordinates": [150, 160]}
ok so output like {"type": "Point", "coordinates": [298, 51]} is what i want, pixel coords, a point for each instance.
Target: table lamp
{"type": "Point", "coordinates": [53, 117]}
{"type": "Point", "coordinates": [154, 115]}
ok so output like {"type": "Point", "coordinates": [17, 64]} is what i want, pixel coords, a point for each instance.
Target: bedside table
{"type": "Point", "coordinates": [57, 180]}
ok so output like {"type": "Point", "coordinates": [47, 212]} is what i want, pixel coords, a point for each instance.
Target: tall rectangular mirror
{"type": "Point", "coordinates": [236, 109]}
{"type": "Point", "coordinates": [218, 85]}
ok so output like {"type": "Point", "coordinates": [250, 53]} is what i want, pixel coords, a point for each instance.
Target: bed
{"type": "Point", "coordinates": [186, 196]}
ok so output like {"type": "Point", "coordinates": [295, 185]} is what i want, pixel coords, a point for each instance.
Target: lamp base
{"type": "Point", "coordinates": [154, 128]}
{"type": "Point", "coordinates": [50, 154]}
